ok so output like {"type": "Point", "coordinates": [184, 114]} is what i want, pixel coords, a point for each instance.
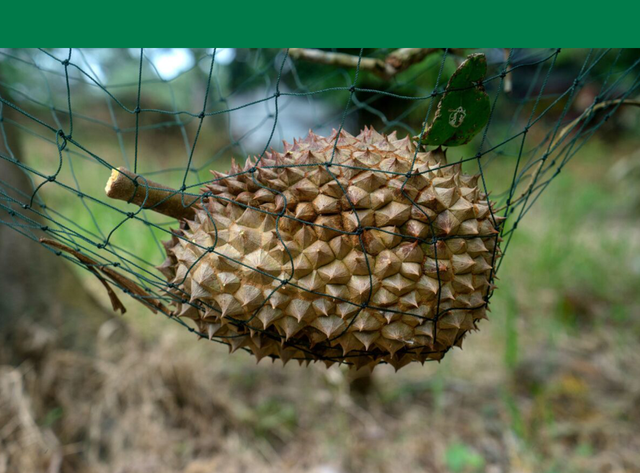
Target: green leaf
{"type": "Point", "coordinates": [464, 108]}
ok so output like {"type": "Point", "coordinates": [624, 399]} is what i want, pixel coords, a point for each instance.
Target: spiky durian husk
{"type": "Point", "coordinates": [355, 261]}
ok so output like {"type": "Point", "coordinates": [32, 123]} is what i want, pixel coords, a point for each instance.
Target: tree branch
{"type": "Point", "coordinates": [393, 64]}
{"type": "Point", "coordinates": [533, 177]}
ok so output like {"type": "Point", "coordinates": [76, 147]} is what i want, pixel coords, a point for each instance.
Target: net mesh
{"type": "Point", "coordinates": [68, 118]}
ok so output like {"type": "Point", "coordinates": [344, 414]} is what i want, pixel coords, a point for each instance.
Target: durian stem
{"type": "Point", "coordinates": [394, 63]}
{"type": "Point", "coordinates": [135, 189]}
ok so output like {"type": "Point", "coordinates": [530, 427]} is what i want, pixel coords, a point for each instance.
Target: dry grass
{"type": "Point", "coordinates": [168, 406]}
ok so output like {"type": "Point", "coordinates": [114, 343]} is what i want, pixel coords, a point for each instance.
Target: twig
{"type": "Point", "coordinates": [122, 281]}
{"type": "Point", "coordinates": [403, 58]}
{"type": "Point", "coordinates": [132, 188]}
{"type": "Point", "coordinates": [395, 62]}
{"type": "Point", "coordinates": [590, 110]}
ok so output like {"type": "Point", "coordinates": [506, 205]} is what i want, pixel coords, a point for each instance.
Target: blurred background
{"type": "Point", "coordinates": [550, 383]}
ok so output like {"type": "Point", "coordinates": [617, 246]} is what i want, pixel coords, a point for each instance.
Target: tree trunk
{"type": "Point", "coordinates": [40, 293]}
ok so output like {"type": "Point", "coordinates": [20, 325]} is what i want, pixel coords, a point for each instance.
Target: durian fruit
{"type": "Point", "coordinates": [348, 252]}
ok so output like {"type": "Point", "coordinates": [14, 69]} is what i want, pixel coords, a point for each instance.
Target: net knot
{"type": "Point", "coordinates": [130, 214]}
{"type": "Point", "coordinates": [201, 115]}
{"type": "Point", "coordinates": [65, 138]}
{"type": "Point", "coordinates": [136, 110]}
{"type": "Point", "coordinates": [65, 63]}
{"type": "Point", "coordinates": [51, 178]}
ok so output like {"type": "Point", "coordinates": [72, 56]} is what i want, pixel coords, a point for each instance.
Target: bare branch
{"type": "Point", "coordinates": [403, 58]}
{"type": "Point", "coordinates": [395, 62]}
{"type": "Point", "coordinates": [533, 177]}
{"type": "Point", "coordinates": [377, 66]}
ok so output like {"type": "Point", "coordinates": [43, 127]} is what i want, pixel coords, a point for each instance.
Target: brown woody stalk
{"type": "Point", "coordinates": [150, 195]}
{"type": "Point", "coordinates": [393, 64]}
